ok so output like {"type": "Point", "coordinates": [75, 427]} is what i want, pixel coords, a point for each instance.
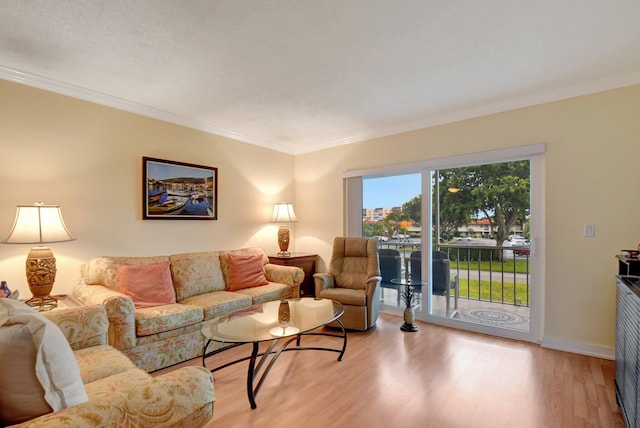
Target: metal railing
{"type": "Point", "coordinates": [485, 272]}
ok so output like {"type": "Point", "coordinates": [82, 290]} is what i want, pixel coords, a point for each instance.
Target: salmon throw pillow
{"type": "Point", "coordinates": [245, 271]}
{"type": "Point", "coordinates": [147, 285]}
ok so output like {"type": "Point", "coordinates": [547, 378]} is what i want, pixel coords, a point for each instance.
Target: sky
{"type": "Point", "coordinates": [160, 171]}
{"type": "Point", "coordinates": [388, 192]}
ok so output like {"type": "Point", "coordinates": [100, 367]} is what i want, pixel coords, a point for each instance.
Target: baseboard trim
{"type": "Point", "coordinates": [579, 348]}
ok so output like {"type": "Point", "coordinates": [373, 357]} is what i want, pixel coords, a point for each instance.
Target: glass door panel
{"type": "Point", "coordinates": [392, 214]}
{"type": "Point", "coordinates": [481, 260]}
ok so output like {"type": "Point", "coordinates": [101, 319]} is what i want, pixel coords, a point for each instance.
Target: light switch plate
{"type": "Point", "coordinates": [589, 230]}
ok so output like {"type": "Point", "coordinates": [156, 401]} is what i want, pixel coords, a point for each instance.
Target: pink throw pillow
{"type": "Point", "coordinates": [147, 285]}
{"type": "Point", "coordinates": [245, 271]}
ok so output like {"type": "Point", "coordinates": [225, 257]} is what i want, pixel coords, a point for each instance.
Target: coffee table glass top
{"type": "Point", "coordinates": [261, 322]}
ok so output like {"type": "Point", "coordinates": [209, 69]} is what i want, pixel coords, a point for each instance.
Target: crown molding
{"type": "Point", "coordinates": [528, 100]}
{"type": "Point", "coordinates": [131, 107]}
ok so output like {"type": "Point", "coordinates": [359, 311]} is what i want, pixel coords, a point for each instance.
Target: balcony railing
{"type": "Point", "coordinates": [486, 273]}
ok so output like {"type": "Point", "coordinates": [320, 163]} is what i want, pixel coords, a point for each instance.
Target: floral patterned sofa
{"type": "Point", "coordinates": [203, 284]}
{"type": "Point", "coordinates": [119, 393]}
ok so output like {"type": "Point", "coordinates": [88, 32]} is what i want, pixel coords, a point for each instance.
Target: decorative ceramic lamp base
{"type": "Point", "coordinates": [283, 241]}
{"type": "Point", "coordinates": [41, 273]}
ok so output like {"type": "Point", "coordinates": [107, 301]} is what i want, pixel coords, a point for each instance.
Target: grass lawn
{"type": "Point", "coordinates": [520, 266]}
{"type": "Point", "coordinates": [495, 293]}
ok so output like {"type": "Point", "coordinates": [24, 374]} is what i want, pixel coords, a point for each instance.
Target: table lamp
{"type": "Point", "coordinates": [283, 213]}
{"type": "Point", "coordinates": [39, 224]}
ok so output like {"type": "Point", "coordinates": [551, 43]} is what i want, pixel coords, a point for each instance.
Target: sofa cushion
{"type": "Point", "coordinates": [97, 362]}
{"type": "Point", "coordinates": [147, 285]}
{"type": "Point", "coordinates": [164, 318]}
{"type": "Point", "coordinates": [346, 296]}
{"type": "Point", "coordinates": [102, 270]}
{"type": "Point", "coordinates": [219, 303]}
{"type": "Point", "coordinates": [37, 362]}
{"type": "Point", "coordinates": [245, 271]}
{"type": "Point", "coordinates": [196, 273]}
{"type": "Point", "coordinates": [266, 293]}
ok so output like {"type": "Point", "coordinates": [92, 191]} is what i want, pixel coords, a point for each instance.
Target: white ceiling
{"type": "Point", "coordinates": [302, 75]}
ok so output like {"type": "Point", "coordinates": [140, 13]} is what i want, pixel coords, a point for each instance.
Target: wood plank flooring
{"type": "Point", "coordinates": [436, 377]}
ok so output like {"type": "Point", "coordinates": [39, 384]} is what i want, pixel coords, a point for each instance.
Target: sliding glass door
{"type": "Point", "coordinates": [480, 263]}
{"type": "Point", "coordinates": [463, 238]}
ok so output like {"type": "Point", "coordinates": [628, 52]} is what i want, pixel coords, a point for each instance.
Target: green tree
{"type": "Point", "coordinates": [500, 191]}
{"type": "Point", "coordinates": [413, 209]}
{"type": "Point", "coordinates": [456, 206]}
{"type": "Point", "coordinates": [370, 230]}
{"type": "Point", "coordinates": [392, 221]}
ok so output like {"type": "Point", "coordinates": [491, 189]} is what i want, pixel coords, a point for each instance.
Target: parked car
{"type": "Point", "coordinates": [521, 247]}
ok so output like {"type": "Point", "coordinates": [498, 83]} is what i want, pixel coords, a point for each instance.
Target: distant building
{"type": "Point", "coordinates": [375, 214]}
{"type": "Point", "coordinates": [479, 228]}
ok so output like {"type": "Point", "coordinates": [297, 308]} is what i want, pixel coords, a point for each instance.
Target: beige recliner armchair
{"type": "Point", "coordinates": [353, 280]}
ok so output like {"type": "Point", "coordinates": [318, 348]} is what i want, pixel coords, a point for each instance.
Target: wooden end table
{"type": "Point", "coordinates": [306, 262]}
{"type": "Point", "coordinates": [62, 301]}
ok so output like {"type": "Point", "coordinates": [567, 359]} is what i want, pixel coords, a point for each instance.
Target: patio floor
{"type": "Point", "coordinates": [494, 314]}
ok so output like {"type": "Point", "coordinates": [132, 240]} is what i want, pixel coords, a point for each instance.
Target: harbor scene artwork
{"type": "Point", "coordinates": [179, 191]}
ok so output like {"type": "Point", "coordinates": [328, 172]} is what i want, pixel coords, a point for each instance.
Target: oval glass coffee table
{"type": "Point", "coordinates": [280, 323]}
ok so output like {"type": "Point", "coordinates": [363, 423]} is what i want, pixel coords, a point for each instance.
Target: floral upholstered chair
{"type": "Point", "coordinates": [59, 371]}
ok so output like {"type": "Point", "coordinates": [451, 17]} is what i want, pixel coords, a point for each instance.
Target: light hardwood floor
{"type": "Point", "coordinates": [436, 377]}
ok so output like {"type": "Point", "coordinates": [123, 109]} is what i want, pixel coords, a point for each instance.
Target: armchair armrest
{"type": "Point", "coordinates": [183, 397]}
{"type": "Point", "coordinates": [82, 326]}
{"type": "Point", "coordinates": [120, 312]}
{"type": "Point", "coordinates": [372, 284]}
{"type": "Point", "coordinates": [290, 275]}
{"type": "Point", "coordinates": [322, 281]}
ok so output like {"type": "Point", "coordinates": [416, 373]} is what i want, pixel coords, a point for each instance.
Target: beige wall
{"type": "Point", "coordinates": [592, 163]}
{"type": "Point", "coordinates": [88, 159]}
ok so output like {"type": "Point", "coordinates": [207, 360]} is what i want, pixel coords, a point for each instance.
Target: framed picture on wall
{"type": "Point", "coordinates": [178, 191]}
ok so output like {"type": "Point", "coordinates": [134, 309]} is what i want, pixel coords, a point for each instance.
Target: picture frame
{"type": "Point", "coordinates": [178, 191]}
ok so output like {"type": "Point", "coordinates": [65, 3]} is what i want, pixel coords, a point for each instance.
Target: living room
{"type": "Point", "coordinates": [87, 158]}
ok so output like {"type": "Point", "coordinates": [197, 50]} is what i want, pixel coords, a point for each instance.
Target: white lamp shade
{"type": "Point", "coordinates": [283, 213]}
{"type": "Point", "coordinates": [38, 224]}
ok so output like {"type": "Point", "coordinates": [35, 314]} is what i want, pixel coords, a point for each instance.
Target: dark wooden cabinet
{"type": "Point", "coordinates": [628, 265]}
{"type": "Point", "coordinates": [306, 262]}
{"type": "Point", "coordinates": [628, 349]}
